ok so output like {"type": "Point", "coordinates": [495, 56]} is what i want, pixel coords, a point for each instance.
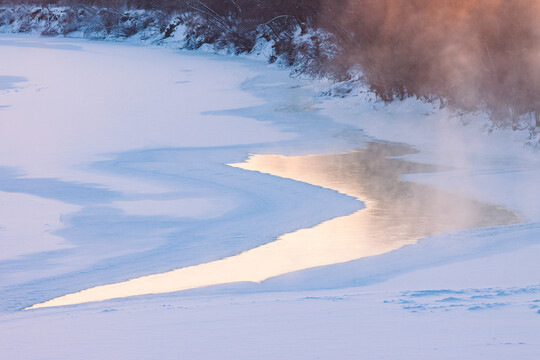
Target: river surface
{"type": "Point", "coordinates": [114, 166]}
{"type": "Point", "coordinates": [396, 213]}
{"type": "Point", "coordinates": [112, 161]}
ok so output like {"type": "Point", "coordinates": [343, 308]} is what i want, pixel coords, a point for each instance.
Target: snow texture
{"type": "Point", "coordinates": [113, 166]}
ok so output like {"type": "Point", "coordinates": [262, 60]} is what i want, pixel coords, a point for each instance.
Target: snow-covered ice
{"type": "Point", "coordinates": [28, 222]}
{"type": "Point", "coordinates": [113, 166]}
{"type": "Point", "coordinates": [144, 179]}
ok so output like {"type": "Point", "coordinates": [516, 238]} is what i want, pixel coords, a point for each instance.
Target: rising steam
{"type": "Point", "coordinates": [473, 54]}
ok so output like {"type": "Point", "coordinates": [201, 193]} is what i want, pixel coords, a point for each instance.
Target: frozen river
{"type": "Point", "coordinates": [120, 159]}
{"type": "Point", "coordinates": [114, 161]}
{"type": "Point", "coordinates": [180, 170]}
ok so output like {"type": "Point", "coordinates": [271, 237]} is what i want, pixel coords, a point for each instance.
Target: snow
{"type": "Point", "coordinates": [115, 153]}
{"type": "Point", "coordinates": [197, 208]}
{"type": "Point", "coordinates": [107, 108]}
{"type": "Point", "coordinates": [57, 123]}
{"type": "Point", "coordinates": [28, 222]}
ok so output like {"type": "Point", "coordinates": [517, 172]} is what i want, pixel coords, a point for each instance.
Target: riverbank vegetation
{"type": "Point", "coordinates": [472, 56]}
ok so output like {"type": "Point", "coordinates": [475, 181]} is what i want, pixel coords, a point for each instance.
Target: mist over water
{"type": "Point", "coordinates": [472, 54]}
{"type": "Point", "coordinates": [396, 213]}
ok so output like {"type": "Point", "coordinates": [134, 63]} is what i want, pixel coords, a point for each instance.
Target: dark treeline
{"type": "Point", "coordinates": [468, 54]}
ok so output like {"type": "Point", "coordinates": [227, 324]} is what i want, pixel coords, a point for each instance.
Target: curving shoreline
{"type": "Point", "coordinates": [397, 213]}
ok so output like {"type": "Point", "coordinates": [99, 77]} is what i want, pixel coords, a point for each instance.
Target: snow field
{"type": "Point", "coordinates": [97, 164]}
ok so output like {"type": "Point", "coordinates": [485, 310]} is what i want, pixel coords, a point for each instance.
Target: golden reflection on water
{"type": "Point", "coordinates": [397, 213]}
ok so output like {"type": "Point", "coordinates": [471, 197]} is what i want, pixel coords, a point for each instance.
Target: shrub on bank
{"type": "Point", "coordinates": [479, 55]}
